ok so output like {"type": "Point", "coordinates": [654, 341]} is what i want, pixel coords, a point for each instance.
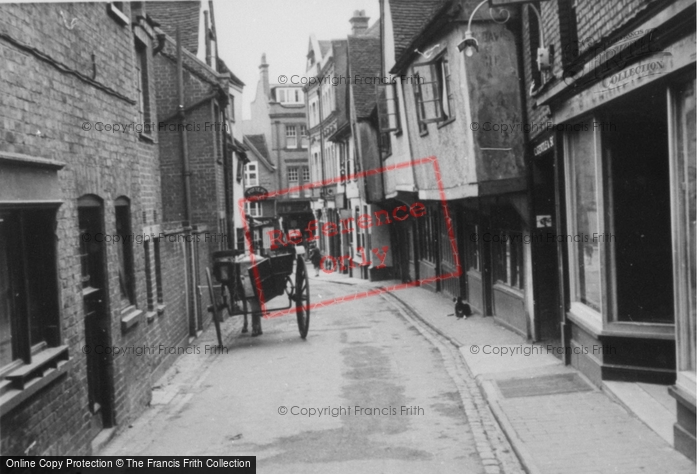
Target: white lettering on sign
{"type": "Point", "coordinates": [544, 146]}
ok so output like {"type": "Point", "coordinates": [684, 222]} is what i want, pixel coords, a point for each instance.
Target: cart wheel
{"type": "Point", "coordinates": [214, 308]}
{"type": "Point", "coordinates": [302, 297]}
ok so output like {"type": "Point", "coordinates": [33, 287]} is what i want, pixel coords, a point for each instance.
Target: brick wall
{"type": "Point", "coordinates": [596, 20]}
{"type": "Point", "coordinates": [36, 95]}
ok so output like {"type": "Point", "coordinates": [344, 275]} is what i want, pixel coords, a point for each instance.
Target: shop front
{"type": "Point", "coordinates": [625, 142]}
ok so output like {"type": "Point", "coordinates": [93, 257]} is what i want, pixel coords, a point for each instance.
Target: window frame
{"type": "Point", "coordinates": [253, 209]}
{"type": "Point", "coordinates": [291, 138]}
{"type": "Point", "coordinates": [304, 133]}
{"type": "Point", "coordinates": [142, 86]}
{"type": "Point", "coordinates": [442, 93]}
{"type": "Point", "coordinates": [578, 306]}
{"type": "Point", "coordinates": [127, 282]}
{"type": "Point", "coordinates": [22, 263]}
{"type": "Point", "coordinates": [684, 242]}
{"type": "Point", "coordinates": [250, 168]}
{"type": "Point", "coordinates": [116, 11]}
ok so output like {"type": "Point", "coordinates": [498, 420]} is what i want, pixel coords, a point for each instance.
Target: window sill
{"type": "Point", "coordinates": [446, 122]}
{"type": "Point", "coordinates": [160, 309]}
{"type": "Point", "coordinates": [151, 316]}
{"type": "Point", "coordinates": [148, 138]}
{"type": "Point", "coordinates": [640, 330]}
{"type": "Point", "coordinates": [509, 290]}
{"type": "Point", "coordinates": [20, 384]}
{"type": "Point", "coordinates": [588, 318]}
{"type": "Point", "coordinates": [422, 134]}
{"type": "Point", "coordinates": [131, 316]}
{"type": "Point", "coordinates": [42, 361]}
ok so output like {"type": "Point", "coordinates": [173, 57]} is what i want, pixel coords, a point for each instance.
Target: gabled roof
{"type": "Point", "coordinates": [408, 18]}
{"type": "Point", "coordinates": [325, 46]}
{"type": "Point", "coordinates": [258, 146]}
{"type": "Point", "coordinates": [223, 68]}
{"type": "Point", "coordinates": [170, 14]}
{"type": "Point", "coordinates": [373, 30]}
{"type": "Point", "coordinates": [364, 56]}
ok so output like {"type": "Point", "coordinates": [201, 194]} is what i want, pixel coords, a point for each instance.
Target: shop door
{"type": "Point", "coordinates": [96, 310]}
{"type": "Point", "coordinates": [544, 250]}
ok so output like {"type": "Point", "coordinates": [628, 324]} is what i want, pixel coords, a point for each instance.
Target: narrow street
{"type": "Point", "coordinates": [358, 357]}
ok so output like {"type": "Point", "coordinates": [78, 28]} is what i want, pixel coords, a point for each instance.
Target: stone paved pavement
{"type": "Point", "coordinates": [577, 432]}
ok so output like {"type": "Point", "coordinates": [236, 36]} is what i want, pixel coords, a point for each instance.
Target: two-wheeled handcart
{"type": "Point", "coordinates": [248, 284]}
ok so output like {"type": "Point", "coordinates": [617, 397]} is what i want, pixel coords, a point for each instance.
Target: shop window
{"type": "Point", "coordinates": [508, 258]}
{"type": "Point", "coordinates": [435, 98]}
{"type": "Point", "coordinates": [125, 252]}
{"type": "Point", "coordinates": [584, 163]}
{"type": "Point", "coordinates": [251, 174]}
{"type": "Point", "coordinates": [427, 237]}
{"type": "Point", "coordinates": [639, 228]}
{"type": "Point", "coordinates": [473, 247]}
{"type": "Point", "coordinates": [619, 212]}
{"type": "Point", "coordinates": [253, 209]}
{"type": "Point", "coordinates": [684, 96]}
{"type": "Point", "coordinates": [29, 314]}
{"type": "Point", "coordinates": [291, 134]}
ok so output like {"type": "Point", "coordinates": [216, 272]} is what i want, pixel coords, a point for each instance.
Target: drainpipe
{"type": "Point", "coordinates": [183, 136]}
{"type": "Point", "coordinates": [278, 144]}
{"type": "Point", "coordinates": [187, 223]}
{"type": "Point", "coordinates": [228, 185]}
{"type": "Point", "coordinates": [207, 39]}
{"type": "Point", "coordinates": [323, 161]}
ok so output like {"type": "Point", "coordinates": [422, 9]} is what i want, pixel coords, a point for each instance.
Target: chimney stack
{"type": "Point", "coordinates": [264, 75]}
{"type": "Point", "coordinates": [359, 22]}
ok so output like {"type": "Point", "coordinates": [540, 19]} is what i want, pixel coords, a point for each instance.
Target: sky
{"type": "Point", "coordinates": [280, 28]}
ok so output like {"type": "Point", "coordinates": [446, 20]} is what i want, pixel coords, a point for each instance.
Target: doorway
{"type": "Point", "coordinates": [96, 310]}
{"type": "Point", "coordinates": [544, 249]}
{"type": "Point", "coordinates": [635, 150]}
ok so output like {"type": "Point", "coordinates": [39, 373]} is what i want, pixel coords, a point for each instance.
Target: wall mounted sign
{"type": "Point", "coordinates": [544, 146]}
{"type": "Point", "coordinates": [255, 191]}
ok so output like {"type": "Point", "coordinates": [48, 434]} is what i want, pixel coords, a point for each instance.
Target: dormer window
{"type": "Point", "coordinates": [289, 96]}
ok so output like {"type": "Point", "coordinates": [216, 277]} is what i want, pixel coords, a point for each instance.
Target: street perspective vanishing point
{"type": "Point", "coordinates": [397, 236]}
